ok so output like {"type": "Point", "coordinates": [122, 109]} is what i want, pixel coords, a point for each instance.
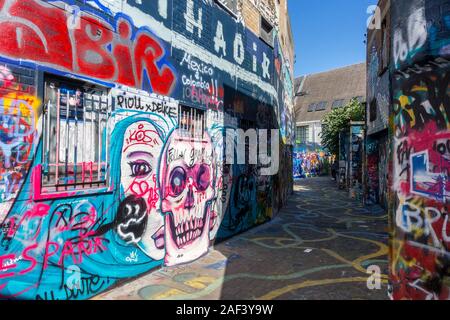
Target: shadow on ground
{"type": "Point", "coordinates": [318, 248]}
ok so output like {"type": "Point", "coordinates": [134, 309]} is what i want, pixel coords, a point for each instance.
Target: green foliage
{"type": "Point", "coordinates": [337, 120]}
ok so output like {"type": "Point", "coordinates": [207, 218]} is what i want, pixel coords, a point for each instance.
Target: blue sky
{"type": "Point", "coordinates": [328, 34]}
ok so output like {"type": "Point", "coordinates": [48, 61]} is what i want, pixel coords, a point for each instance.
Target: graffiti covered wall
{"type": "Point", "coordinates": [309, 162]}
{"type": "Point", "coordinates": [420, 258]}
{"type": "Point", "coordinates": [377, 171]}
{"type": "Point", "coordinates": [112, 139]}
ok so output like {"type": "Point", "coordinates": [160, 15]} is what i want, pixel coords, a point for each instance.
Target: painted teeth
{"type": "Point", "coordinates": [188, 231]}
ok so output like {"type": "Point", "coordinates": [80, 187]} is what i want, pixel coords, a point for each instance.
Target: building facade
{"type": "Point", "coordinates": [316, 95]}
{"type": "Point", "coordinates": [408, 69]}
{"type": "Point", "coordinates": [113, 135]}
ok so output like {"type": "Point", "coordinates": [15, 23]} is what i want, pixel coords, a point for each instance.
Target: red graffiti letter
{"type": "Point", "coordinates": [99, 245]}
{"type": "Point", "coordinates": [147, 53]}
{"type": "Point", "coordinates": [92, 55]}
{"type": "Point", "coordinates": [48, 254]}
{"type": "Point", "coordinates": [67, 250]}
{"type": "Point", "coordinates": [122, 55]}
{"type": "Point", "coordinates": [36, 31]}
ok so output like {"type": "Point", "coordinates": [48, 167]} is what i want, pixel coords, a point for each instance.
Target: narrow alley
{"type": "Point", "coordinates": [246, 150]}
{"type": "Point", "coordinates": [319, 247]}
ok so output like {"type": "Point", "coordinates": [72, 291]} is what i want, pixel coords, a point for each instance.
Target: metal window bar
{"type": "Point", "coordinates": [106, 103]}
{"type": "Point", "coordinates": [64, 160]}
{"type": "Point", "coordinates": [66, 151]}
{"type": "Point", "coordinates": [58, 137]}
{"type": "Point", "coordinates": [75, 145]}
{"type": "Point", "coordinates": [192, 122]}
{"type": "Point", "coordinates": [47, 130]}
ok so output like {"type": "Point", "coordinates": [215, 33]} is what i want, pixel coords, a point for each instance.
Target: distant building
{"type": "Point", "coordinates": [318, 94]}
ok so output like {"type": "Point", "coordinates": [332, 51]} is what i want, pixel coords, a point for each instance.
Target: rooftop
{"type": "Point", "coordinates": [319, 93]}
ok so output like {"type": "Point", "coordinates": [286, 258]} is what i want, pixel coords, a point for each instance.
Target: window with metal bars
{"type": "Point", "coordinates": [75, 147]}
{"type": "Point", "coordinates": [192, 122]}
{"type": "Point", "coordinates": [266, 31]}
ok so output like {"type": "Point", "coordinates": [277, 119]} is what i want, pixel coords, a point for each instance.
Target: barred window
{"type": "Point", "coordinates": [192, 122]}
{"type": "Point", "coordinates": [75, 151]}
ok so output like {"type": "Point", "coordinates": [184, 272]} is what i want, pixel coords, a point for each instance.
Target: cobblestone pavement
{"type": "Point", "coordinates": [319, 247]}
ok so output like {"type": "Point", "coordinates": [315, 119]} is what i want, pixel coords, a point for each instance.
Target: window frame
{"type": "Point", "coordinates": [321, 106]}
{"type": "Point", "coordinates": [101, 109]}
{"type": "Point", "coordinates": [304, 134]}
{"type": "Point", "coordinates": [312, 107]}
{"type": "Point", "coordinates": [226, 8]}
{"type": "Point", "coordinates": [270, 42]}
{"type": "Point", "coordinates": [338, 103]}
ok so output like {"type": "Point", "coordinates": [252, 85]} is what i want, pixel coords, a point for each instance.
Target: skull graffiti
{"type": "Point", "coordinates": [187, 185]}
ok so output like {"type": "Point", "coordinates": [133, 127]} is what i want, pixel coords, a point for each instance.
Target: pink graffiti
{"type": "Point", "coordinates": [75, 251]}
{"type": "Point", "coordinates": [142, 136]}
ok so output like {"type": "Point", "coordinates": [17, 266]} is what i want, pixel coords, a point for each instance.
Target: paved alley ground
{"type": "Point", "coordinates": [318, 247]}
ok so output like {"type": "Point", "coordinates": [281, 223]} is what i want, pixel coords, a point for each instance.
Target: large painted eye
{"type": "Point", "coordinates": [203, 178]}
{"type": "Point", "coordinates": [177, 181]}
{"type": "Point", "coordinates": [140, 168]}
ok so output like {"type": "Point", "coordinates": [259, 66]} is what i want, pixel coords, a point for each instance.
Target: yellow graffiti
{"type": "Point", "coordinates": [404, 101]}
{"type": "Point", "coordinates": [200, 282]}
{"type": "Point", "coordinates": [168, 294]}
{"type": "Point", "coordinates": [26, 106]}
{"type": "Point", "coordinates": [357, 263]}
{"type": "Point", "coordinates": [417, 88]}
{"type": "Point", "coordinates": [310, 283]}
{"type": "Point", "coordinates": [382, 251]}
